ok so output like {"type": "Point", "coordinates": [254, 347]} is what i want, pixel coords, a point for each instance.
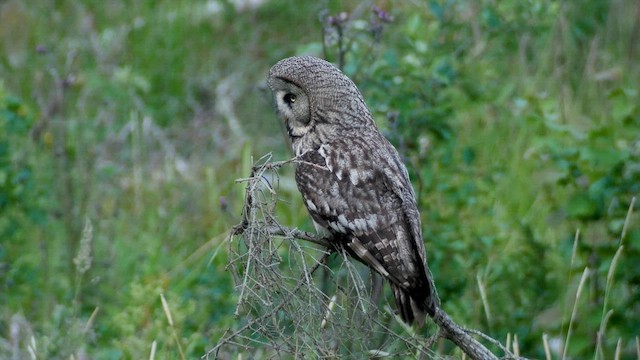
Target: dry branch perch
{"type": "Point", "coordinates": [450, 330]}
{"type": "Point", "coordinates": [279, 303]}
{"type": "Point", "coordinates": [461, 338]}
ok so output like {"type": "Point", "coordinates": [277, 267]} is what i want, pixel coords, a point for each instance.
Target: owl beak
{"type": "Point", "coordinates": [289, 129]}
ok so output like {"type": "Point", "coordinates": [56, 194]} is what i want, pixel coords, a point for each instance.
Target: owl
{"type": "Point", "coordinates": [352, 180]}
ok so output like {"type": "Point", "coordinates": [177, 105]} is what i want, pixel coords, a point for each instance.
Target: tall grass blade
{"type": "Point", "coordinates": [545, 343]}
{"type": "Point", "coordinates": [583, 279]}
{"type": "Point", "coordinates": [485, 301]}
{"type": "Point", "coordinates": [152, 354]}
{"type": "Point", "coordinates": [167, 312]}
{"type": "Point", "coordinates": [626, 220]}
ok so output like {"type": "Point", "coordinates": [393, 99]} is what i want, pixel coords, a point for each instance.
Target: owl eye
{"type": "Point", "coordinates": [289, 98]}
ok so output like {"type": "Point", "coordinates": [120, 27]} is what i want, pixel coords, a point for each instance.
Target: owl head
{"type": "Point", "coordinates": [310, 92]}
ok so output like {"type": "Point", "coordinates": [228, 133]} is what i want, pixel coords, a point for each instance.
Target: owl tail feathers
{"type": "Point", "coordinates": [415, 305]}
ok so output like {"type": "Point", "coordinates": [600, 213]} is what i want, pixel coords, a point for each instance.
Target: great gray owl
{"type": "Point", "coordinates": [352, 179]}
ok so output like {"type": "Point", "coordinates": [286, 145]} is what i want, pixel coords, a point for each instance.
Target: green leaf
{"type": "Point", "coordinates": [582, 206]}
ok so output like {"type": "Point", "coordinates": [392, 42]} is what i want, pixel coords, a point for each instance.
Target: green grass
{"type": "Point", "coordinates": [519, 123]}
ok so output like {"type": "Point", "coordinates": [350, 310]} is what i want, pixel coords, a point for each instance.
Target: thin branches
{"type": "Point", "coordinates": [283, 309]}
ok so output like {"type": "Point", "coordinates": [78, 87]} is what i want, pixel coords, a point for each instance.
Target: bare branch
{"type": "Point", "coordinates": [276, 230]}
{"type": "Point", "coordinates": [292, 315]}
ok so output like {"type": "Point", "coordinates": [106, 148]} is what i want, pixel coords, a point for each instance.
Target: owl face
{"type": "Point", "coordinates": [313, 96]}
{"type": "Point", "coordinates": [292, 105]}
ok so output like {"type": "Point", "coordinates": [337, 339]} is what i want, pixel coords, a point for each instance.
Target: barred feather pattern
{"type": "Point", "coordinates": [353, 181]}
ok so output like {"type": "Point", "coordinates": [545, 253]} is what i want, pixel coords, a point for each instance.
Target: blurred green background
{"type": "Point", "coordinates": [123, 125]}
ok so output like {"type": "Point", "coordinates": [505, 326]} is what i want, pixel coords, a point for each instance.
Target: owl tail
{"type": "Point", "coordinates": [415, 304]}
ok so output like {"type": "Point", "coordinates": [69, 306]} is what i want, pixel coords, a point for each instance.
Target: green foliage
{"type": "Point", "coordinates": [519, 122]}
{"type": "Point", "coordinates": [16, 178]}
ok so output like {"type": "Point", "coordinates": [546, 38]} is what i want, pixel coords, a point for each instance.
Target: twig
{"type": "Point", "coordinates": [490, 339]}
{"type": "Point", "coordinates": [273, 230]}
{"type": "Point", "coordinates": [460, 337]}
{"type": "Point", "coordinates": [257, 228]}
{"type": "Point", "coordinates": [449, 329]}
{"type": "Point", "coordinates": [429, 343]}
{"type": "Point", "coordinates": [226, 339]}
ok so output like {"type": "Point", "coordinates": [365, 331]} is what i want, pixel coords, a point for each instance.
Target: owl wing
{"type": "Point", "coordinates": [359, 189]}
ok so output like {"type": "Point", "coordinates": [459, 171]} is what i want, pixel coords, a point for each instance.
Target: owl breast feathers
{"type": "Point", "coordinates": [352, 179]}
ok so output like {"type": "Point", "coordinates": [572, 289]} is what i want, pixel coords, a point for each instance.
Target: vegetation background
{"type": "Point", "coordinates": [123, 125]}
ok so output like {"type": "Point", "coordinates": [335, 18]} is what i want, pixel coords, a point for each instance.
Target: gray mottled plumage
{"type": "Point", "coordinates": [352, 179]}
